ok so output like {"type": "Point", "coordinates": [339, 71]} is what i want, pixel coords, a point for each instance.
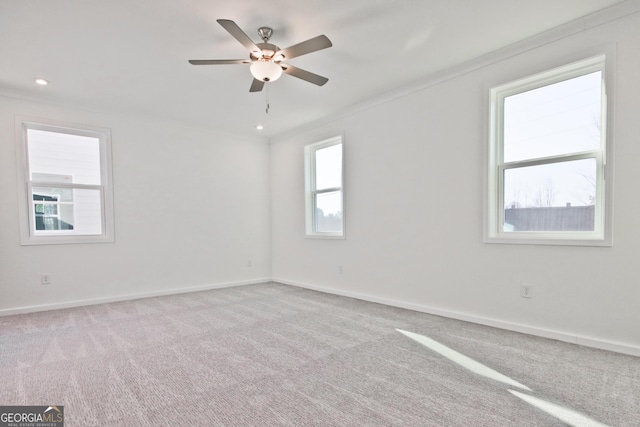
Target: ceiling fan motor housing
{"type": "Point", "coordinates": [268, 52]}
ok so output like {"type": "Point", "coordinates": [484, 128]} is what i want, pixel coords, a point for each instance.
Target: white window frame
{"type": "Point", "coordinates": [602, 234]}
{"type": "Point", "coordinates": [26, 185]}
{"type": "Point", "coordinates": [311, 191]}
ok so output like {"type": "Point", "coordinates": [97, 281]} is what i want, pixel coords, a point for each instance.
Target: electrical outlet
{"type": "Point", "coordinates": [526, 290]}
{"type": "Point", "coordinates": [45, 279]}
{"type": "Point", "coordinates": [340, 269]}
{"type": "Point", "coordinates": [249, 263]}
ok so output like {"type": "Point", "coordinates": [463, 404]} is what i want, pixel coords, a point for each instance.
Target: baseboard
{"type": "Point", "coordinates": [496, 323]}
{"type": "Point", "coordinates": [127, 297]}
{"type": "Point", "coordinates": [501, 324]}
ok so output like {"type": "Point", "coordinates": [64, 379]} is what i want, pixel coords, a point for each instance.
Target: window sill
{"type": "Point", "coordinates": [549, 240]}
{"type": "Point", "coordinates": [325, 236]}
{"type": "Point", "coordinates": [65, 240]}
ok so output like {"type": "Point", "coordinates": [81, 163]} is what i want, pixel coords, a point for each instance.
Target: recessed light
{"type": "Point", "coordinates": [41, 82]}
{"type": "Point", "coordinates": [259, 127]}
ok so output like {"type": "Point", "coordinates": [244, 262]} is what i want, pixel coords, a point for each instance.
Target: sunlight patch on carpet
{"type": "Point", "coordinates": [462, 360]}
{"type": "Point", "coordinates": [569, 416]}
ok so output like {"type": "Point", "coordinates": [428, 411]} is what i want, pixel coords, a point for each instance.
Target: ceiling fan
{"type": "Point", "coordinates": [266, 59]}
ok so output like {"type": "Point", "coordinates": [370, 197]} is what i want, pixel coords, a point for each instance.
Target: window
{"type": "Point", "coordinates": [548, 150]}
{"type": "Point", "coordinates": [65, 183]}
{"type": "Point", "coordinates": [324, 189]}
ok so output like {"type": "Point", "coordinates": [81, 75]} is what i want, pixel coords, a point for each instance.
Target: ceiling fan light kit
{"type": "Point", "coordinates": [266, 70]}
{"type": "Point", "coordinates": [266, 58]}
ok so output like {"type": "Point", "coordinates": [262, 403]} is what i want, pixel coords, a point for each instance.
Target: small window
{"type": "Point", "coordinates": [547, 162]}
{"type": "Point", "coordinates": [324, 189]}
{"type": "Point", "coordinates": [65, 183]}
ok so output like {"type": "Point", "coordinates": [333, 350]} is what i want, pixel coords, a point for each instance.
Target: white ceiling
{"type": "Point", "coordinates": [130, 56]}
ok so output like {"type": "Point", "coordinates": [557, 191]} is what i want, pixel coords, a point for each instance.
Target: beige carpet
{"type": "Point", "coordinates": [276, 355]}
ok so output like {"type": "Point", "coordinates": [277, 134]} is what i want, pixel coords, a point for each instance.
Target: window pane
{"type": "Point", "coordinates": [60, 157]}
{"type": "Point", "coordinates": [328, 212]}
{"type": "Point", "coordinates": [76, 211]}
{"type": "Point", "coordinates": [560, 118]}
{"type": "Point", "coordinates": [552, 197]}
{"type": "Point", "coordinates": [329, 167]}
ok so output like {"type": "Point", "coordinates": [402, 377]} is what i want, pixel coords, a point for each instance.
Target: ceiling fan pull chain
{"type": "Point", "coordinates": [267, 93]}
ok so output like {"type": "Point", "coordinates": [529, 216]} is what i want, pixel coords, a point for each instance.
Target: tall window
{"type": "Point", "coordinates": [324, 189]}
{"type": "Point", "coordinates": [547, 158]}
{"type": "Point", "coordinates": [65, 187]}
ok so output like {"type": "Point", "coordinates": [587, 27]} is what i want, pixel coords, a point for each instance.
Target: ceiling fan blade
{"type": "Point", "coordinates": [304, 74]}
{"type": "Point", "coordinates": [256, 85]}
{"type": "Point", "coordinates": [218, 61]}
{"type": "Point", "coordinates": [311, 45]}
{"type": "Point", "coordinates": [238, 34]}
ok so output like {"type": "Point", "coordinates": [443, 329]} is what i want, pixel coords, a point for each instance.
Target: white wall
{"type": "Point", "coordinates": [414, 208]}
{"type": "Point", "coordinates": [191, 209]}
